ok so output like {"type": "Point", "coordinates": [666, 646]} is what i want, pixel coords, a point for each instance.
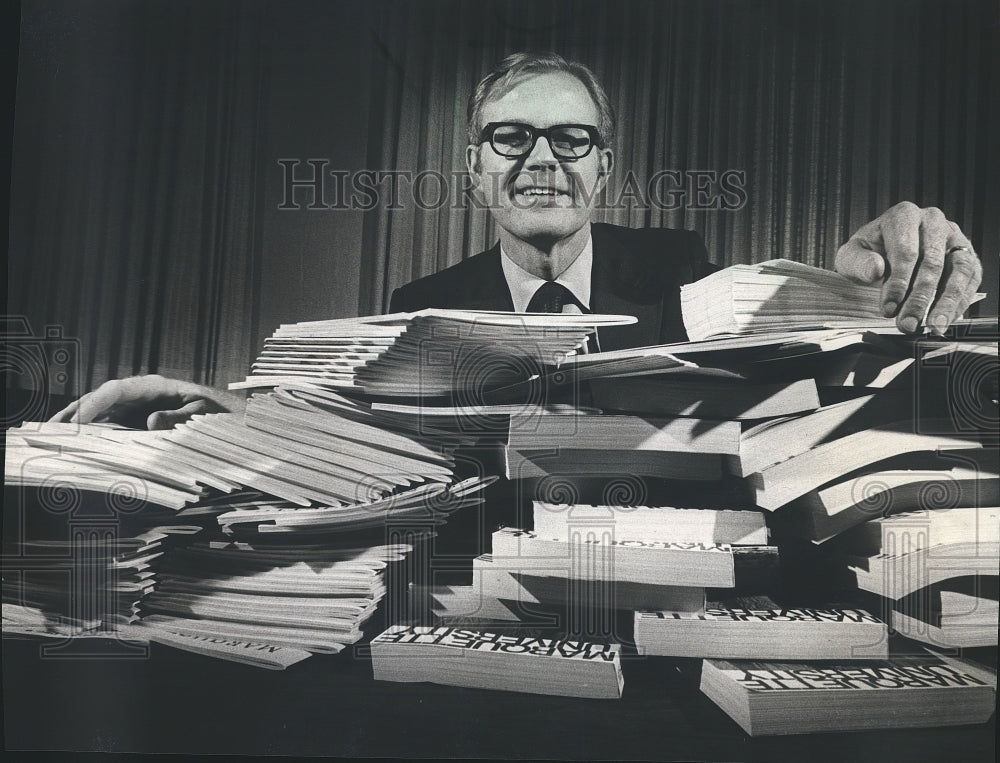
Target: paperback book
{"type": "Point", "coordinates": [542, 582]}
{"type": "Point", "coordinates": [767, 698]}
{"type": "Point", "coordinates": [668, 563]}
{"type": "Point", "coordinates": [777, 633]}
{"type": "Point", "coordinates": [505, 662]}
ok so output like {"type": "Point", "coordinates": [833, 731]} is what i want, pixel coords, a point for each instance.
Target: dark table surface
{"type": "Point", "coordinates": [172, 701]}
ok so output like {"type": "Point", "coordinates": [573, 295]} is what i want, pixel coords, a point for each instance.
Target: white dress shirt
{"type": "Point", "coordinates": [576, 278]}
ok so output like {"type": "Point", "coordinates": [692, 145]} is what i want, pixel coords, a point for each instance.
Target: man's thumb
{"type": "Point", "coordinates": [859, 263]}
{"type": "Point", "coordinates": [170, 419]}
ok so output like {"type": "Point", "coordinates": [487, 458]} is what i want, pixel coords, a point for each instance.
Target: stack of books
{"type": "Point", "coordinates": [749, 408]}
{"type": "Point", "coordinates": [907, 512]}
{"type": "Point", "coordinates": [126, 465]}
{"type": "Point", "coordinates": [92, 584]}
{"type": "Point", "coordinates": [924, 563]}
{"type": "Point", "coordinates": [585, 561]}
{"type": "Point", "coordinates": [963, 479]}
{"type": "Point", "coordinates": [428, 354]}
{"type": "Point", "coordinates": [798, 408]}
{"type": "Point", "coordinates": [229, 479]}
{"type": "Point", "coordinates": [309, 597]}
{"type": "Point", "coordinates": [307, 455]}
{"type": "Point", "coordinates": [777, 295]}
{"type": "Point", "coordinates": [660, 483]}
{"type": "Point", "coordinates": [430, 505]}
{"type": "Point", "coordinates": [893, 477]}
{"type": "Point", "coordinates": [311, 462]}
{"type": "Point", "coordinates": [325, 435]}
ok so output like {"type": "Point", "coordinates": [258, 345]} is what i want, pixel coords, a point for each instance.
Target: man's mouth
{"type": "Point", "coordinates": [535, 191]}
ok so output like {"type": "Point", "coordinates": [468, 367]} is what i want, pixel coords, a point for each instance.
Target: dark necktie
{"type": "Point", "coordinates": [550, 298]}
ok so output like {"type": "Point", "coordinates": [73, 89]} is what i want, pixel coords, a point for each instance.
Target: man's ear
{"type": "Point", "coordinates": [606, 165]}
{"type": "Point", "coordinates": [473, 164]}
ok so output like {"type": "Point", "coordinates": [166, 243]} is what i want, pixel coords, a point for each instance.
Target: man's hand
{"type": "Point", "coordinates": [155, 402]}
{"type": "Point", "coordinates": [925, 261]}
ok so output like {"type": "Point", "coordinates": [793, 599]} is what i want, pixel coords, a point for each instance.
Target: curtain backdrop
{"type": "Point", "coordinates": [135, 194]}
{"type": "Point", "coordinates": [146, 216]}
{"type": "Point", "coordinates": [833, 110]}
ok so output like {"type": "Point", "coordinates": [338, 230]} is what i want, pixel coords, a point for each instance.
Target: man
{"type": "Point", "coordinates": [539, 131]}
{"type": "Point", "coordinates": [539, 135]}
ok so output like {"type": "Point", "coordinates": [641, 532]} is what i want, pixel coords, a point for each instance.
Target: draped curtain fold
{"type": "Point", "coordinates": [135, 203]}
{"type": "Point", "coordinates": [830, 113]}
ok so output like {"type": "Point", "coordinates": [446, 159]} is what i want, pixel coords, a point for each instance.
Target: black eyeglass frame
{"type": "Point", "coordinates": [486, 136]}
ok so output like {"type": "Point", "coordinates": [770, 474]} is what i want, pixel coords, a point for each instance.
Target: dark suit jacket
{"type": "Point", "coordinates": [636, 272]}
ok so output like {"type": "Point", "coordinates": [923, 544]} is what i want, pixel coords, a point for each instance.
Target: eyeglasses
{"type": "Point", "coordinates": [515, 139]}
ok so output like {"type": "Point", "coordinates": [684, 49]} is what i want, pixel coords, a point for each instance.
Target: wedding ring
{"type": "Point", "coordinates": [958, 249]}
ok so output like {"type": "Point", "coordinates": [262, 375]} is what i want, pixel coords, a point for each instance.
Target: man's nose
{"type": "Point", "coordinates": [541, 155]}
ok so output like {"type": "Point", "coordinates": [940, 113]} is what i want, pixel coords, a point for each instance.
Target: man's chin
{"type": "Point", "coordinates": [547, 227]}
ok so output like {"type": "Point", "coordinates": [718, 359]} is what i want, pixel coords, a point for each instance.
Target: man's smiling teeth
{"type": "Point", "coordinates": [541, 192]}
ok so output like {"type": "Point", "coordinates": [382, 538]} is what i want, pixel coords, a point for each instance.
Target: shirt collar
{"type": "Point", "coordinates": [576, 278]}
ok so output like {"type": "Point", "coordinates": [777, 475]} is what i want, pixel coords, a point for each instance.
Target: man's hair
{"type": "Point", "coordinates": [501, 78]}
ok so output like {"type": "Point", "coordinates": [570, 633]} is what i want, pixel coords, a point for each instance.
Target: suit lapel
{"type": "Point", "coordinates": [487, 288]}
{"type": "Point", "coordinates": [620, 287]}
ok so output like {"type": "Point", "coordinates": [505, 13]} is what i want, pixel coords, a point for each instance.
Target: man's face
{"type": "Point", "coordinates": [540, 198]}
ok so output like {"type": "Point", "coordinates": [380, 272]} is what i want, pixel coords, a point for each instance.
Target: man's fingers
{"type": "Point", "coordinates": [98, 404]}
{"type": "Point", "coordinates": [962, 307]}
{"type": "Point", "coordinates": [900, 228]}
{"type": "Point", "coordinates": [925, 277]}
{"type": "Point", "coordinates": [67, 413]}
{"type": "Point", "coordinates": [91, 406]}
{"type": "Point", "coordinates": [129, 402]}
{"type": "Point", "coordinates": [922, 280]}
{"type": "Point", "coordinates": [962, 277]}
{"type": "Point", "coordinates": [170, 419]}
{"type": "Point", "coordinates": [859, 263]}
